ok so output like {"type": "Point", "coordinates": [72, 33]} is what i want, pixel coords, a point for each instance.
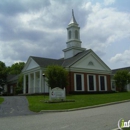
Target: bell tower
{"type": "Point", "coordinates": [73, 39]}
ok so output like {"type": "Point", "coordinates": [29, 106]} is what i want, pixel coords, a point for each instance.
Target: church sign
{"type": "Point", "coordinates": [57, 93]}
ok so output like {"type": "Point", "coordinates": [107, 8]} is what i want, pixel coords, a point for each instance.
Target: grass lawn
{"type": "Point", "coordinates": [126, 128]}
{"type": "Point", "coordinates": [1, 100]}
{"type": "Point", "coordinates": [36, 103]}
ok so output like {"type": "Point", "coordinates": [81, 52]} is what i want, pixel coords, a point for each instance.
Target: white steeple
{"type": "Point", "coordinates": [73, 41]}
{"type": "Point", "coordinates": [73, 21]}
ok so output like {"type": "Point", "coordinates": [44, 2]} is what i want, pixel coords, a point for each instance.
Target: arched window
{"type": "Point", "coordinates": [69, 34]}
{"type": "Point", "coordinates": [90, 63]}
{"type": "Point", "coordinates": [76, 34]}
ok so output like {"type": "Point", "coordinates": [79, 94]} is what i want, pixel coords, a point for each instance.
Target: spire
{"type": "Point", "coordinates": [73, 39]}
{"type": "Point", "coordinates": [73, 19]}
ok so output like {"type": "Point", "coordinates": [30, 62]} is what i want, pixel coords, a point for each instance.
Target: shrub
{"type": "Point", "coordinates": [56, 76]}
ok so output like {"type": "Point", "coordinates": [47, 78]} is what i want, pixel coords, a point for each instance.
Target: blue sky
{"type": "Point", "coordinates": [38, 28]}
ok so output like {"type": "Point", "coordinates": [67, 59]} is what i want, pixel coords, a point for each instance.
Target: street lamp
{"type": "Point", "coordinates": [44, 83]}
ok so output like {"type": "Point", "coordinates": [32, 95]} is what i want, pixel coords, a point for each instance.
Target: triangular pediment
{"type": "Point", "coordinates": [91, 62]}
{"type": "Point", "coordinates": [31, 64]}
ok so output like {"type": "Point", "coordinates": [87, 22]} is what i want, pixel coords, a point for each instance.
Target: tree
{"type": "Point", "coordinates": [16, 68]}
{"type": "Point", "coordinates": [19, 89]}
{"type": "Point", "coordinates": [3, 73]}
{"type": "Point", "coordinates": [56, 76]}
{"type": "Point", "coordinates": [122, 78]}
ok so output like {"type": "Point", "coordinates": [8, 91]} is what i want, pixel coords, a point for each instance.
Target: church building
{"type": "Point", "coordinates": [87, 72]}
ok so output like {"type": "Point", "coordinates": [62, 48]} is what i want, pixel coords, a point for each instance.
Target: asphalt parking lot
{"type": "Point", "coordinates": [14, 106]}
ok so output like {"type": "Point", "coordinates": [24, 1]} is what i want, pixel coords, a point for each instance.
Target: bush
{"type": "Point", "coordinates": [56, 76]}
{"type": "Point", "coordinates": [19, 89]}
{"type": "Point", "coordinates": [122, 78]}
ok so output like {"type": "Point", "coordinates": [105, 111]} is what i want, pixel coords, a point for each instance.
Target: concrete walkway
{"type": "Point", "coordinates": [14, 106]}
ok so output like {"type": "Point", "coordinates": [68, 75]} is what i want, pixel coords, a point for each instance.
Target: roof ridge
{"type": "Point", "coordinates": [121, 68]}
{"type": "Point", "coordinates": [43, 58]}
{"type": "Point", "coordinates": [82, 55]}
{"type": "Point", "coordinates": [78, 57]}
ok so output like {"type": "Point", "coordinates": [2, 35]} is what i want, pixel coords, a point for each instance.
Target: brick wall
{"type": "Point", "coordinates": [70, 87]}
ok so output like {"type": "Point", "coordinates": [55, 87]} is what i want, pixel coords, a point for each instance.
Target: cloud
{"type": "Point", "coordinates": [104, 26]}
{"type": "Point", "coordinates": [109, 2]}
{"type": "Point", "coordinates": [38, 27]}
{"type": "Point", "coordinates": [13, 7]}
{"type": "Point", "coordinates": [122, 58]}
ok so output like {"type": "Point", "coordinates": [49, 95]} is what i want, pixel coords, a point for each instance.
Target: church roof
{"type": "Point", "coordinates": [12, 78]}
{"type": "Point", "coordinates": [70, 61]}
{"type": "Point", "coordinates": [115, 70]}
{"type": "Point", "coordinates": [44, 62]}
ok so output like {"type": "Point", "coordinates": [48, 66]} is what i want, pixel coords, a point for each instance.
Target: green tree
{"type": "Point", "coordinates": [56, 76]}
{"type": "Point", "coordinates": [3, 73]}
{"type": "Point", "coordinates": [122, 78]}
{"type": "Point", "coordinates": [19, 89]}
{"type": "Point", "coordinates": [16, 68]}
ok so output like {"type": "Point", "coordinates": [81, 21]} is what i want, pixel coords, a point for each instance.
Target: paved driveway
{"type": "Point", "coordinates": [101, 118]}
{"type": "Point", "coordinates": [14, 106]}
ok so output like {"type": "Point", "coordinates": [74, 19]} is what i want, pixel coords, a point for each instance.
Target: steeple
{"type": "Point", "coordinates": [73, 41]}
{"type": "Point", "coordinates": [73, 21]}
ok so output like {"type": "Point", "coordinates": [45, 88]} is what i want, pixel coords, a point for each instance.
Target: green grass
{"type": "Point", "coordinates": [1, 100]}
{"type": "Point", "coordinates": [126, 128]}
{"type": "Point", "coordinates": [36, 103]}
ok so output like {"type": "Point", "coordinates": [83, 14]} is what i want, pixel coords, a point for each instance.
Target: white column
{"type": "Point", "coordinates": [24, 83]}
{"type": "Point", "coordinates": [40, 81]}
{"type": "Point", "coordinates": [44, 85]}
{"type": "Point", "coordinates": [34, 82]}
{"type": "Point", "coordinates": [29, 83]}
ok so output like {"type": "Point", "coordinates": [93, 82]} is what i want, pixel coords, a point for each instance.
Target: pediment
{"type": "Point", "coordinates": [31, 64]}
{"type": "Point", "coordinates": [92, 62]}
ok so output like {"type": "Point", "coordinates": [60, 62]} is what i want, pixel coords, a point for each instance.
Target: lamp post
{"type": "Point", "coordinates": [44, 83]}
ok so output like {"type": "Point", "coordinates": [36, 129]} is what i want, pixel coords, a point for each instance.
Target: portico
{"type": "Point", "coordinates": [33, 82]}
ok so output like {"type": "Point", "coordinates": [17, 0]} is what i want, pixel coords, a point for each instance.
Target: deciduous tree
{"type": "Point", "coordinates": [3, 72]}
{"type": "Point", "coordinates": [16, 68]}
{"type": "Point", "coordinates": [122, 78]}
{"type": "Point", "coordinates": [19, 88]}
{"type": "Point", "coordinates": [56, 76]}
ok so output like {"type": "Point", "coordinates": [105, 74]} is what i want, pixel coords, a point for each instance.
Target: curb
{"type": "Point", "coordinates": [82, 108]}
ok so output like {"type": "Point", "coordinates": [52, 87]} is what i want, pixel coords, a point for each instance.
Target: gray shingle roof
{"type": "Point", "coordinates": [44, 62]}
{"type": "Point", "coordinates": [12, 78]}
{"type": "Point", "coordinates": [115, 70]}
{"type": "Point", "coordinates": [70, 61]}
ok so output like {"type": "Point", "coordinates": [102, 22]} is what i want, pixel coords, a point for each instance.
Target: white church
{"type": "Point", "coordinates": [87, 72]}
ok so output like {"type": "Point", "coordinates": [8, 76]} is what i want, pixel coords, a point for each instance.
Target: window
{"type": "Point", "coordinates": [90, 63]}
{"type": "Point", "coordinates": [102, 83]}
{"type": "Point", "coordinates": [79, 82]}
{"type": "Point", "coordinates": [91, 83]}
{"type": "Point", "coordinates": [76, 34]}
{"type": "Point", "coordinates": [113, 85]}
{"type": "Point", "coordinates": [69, 34]}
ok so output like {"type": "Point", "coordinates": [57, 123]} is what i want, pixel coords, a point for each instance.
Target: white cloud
{"type": "Point", "coordinates": [39, 28]}
{"type": "Point", "coordinates": [109, 2]}
{"type": "Point", "coordinates": [104, 26]}
{"type": "Point", "coordinates": [122, 58]}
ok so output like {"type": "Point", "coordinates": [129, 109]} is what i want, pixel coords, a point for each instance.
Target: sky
{"type": "Point", "coordinates": [38, 28]}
